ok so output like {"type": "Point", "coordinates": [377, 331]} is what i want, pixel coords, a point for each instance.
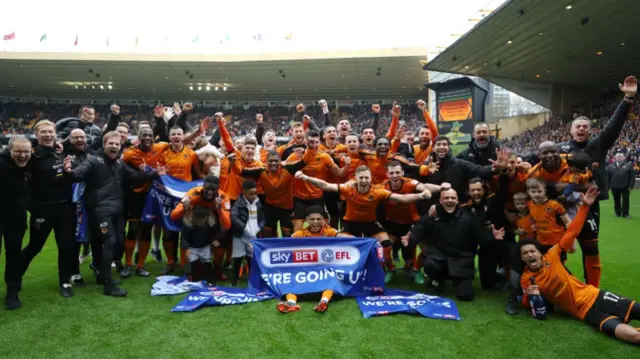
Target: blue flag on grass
{"type": "Point", "coordinates": [400, 301]}
{"type": "Point", "coordinates": [164, 195]}
{"type": "Point", "coordinates": [219, 296]}
{"type": "Point", "coordinates": [348, 266]}
{"type": "Point", "coordinates": [81, 232]}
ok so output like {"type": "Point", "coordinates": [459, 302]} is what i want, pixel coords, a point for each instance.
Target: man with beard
{"type": "Point", "coordinates": [15, 190]}
{"type": "Point", "coordinates": [85, 123]}
{"type": "Point", "coordinates": [318, 164]}
{"type": "Point", "coordinates": [603, 310]}
{"type": "Point", "coordinates": [458, 172]}
{"type": "Point", "coordinates": [51, 206]}
{"type": "Point", "coordinates": [79, 153]}
{"type": "Point", "coordinates": [426, 133]}
{"type": "Point", "coordinates": [146, 153]}
{"type": "Point", "coordinates": [597, 149]}
{"type": "Point", "coordinates": [277, 182]}
{"type": "Point", "coordinates": [482, 147]}
{"type": "Point", "coordinates": [362, 199]}
{"type": "Point", "coordinates": [452, 237]}
{"type": "Point", "coordinates": [399, 217]}
{"type": "Point", "coordinates": [297, 141]}
{"type": "Point", "coordinates": [103, 175]}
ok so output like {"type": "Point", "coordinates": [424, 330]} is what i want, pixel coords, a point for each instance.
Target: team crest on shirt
{"type": "Point", "coordinates": [371, 197]}
{"type": "Point", "coordinates": [185, 156]}
{"type": "Point", "coordinates": [548, 209]}
{"type": "Point", "coordinates": [547, 264]}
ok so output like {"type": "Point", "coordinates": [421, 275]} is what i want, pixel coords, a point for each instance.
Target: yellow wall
{"type": "Point", "coordinates": [512, 126]}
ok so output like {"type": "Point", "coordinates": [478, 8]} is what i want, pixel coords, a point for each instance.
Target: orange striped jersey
{"type": "Point", "coordinates": [234, 184]}
{"type": "Point", "coordinates": [361, 207]}
{"type": "Point", "coordinates": [403, 213]}
{"type": "Point", "coordinates": [576, 177]}
{"type": "Point", "coordinates": [180, 164]}
{"type": "Point", "coordinates": [317, 165]}
{"type": "Point", "coordinates": [337, 151]}
{"type": "Point", "coordinates": [556, 284]}
{"type": "Point", "coordinates": [527, 227]}
{"type": "Point", "coordinates": [538, 172]}
{"type": "Point", "coordinates": [326, 231]}
{"type": "Point", "coordinates": [134, 157]}
{"type": "Point", "coordinates": [278, 188]}
{"type": "Point", "coordinates": [545, 215]}
{"type": "Point", "coordinates": [194, 195]}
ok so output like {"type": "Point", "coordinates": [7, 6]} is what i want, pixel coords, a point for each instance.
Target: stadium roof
{"type": "Point", "coordinates": [582, 43]}
{"type": "Point", "coordinates": [305, 76]}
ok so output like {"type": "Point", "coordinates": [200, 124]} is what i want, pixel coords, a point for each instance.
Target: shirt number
{"type": "Point", "coordinates": [592, 223]}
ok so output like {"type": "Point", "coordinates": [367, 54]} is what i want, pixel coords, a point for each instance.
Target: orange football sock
{"type": "Point", "coordinates": [183, 257]}
{"type": "Point", "coordinates": [218, 256]}
{"type": "Point", "coordinates": [388, 260]}
{"type": "Point", "coordinates": [326, 295]}
{"type": "Point", "coordinates": [129, 248]}
{"type": "Point", "coordinates": [143, 250]}
{"type": "Point", "coordinates": [168, 246]}
{"type": "Point", "coordinates": [593, 270]}
{"type": "Point", "coordinates": [292, 298]}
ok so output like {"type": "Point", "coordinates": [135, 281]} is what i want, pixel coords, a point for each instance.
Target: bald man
{"type": "Point", "coordinates": [452, 241]}
{"type": "Point", "coordinates": [483, 146]}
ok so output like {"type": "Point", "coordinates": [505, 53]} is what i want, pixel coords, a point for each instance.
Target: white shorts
{"type": "Point", "coordinates": [241, 248]}
{"type": "Point", "coordinates": [203, 254]}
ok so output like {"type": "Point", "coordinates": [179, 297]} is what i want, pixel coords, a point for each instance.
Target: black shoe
{"type": "Point", "coordinates": [627, 216]}
{"type": "Point", "coordinates": [168, 269]}
{"type": "Point", "coordinates": [78, 281]}
{"type": "Point", "coordinates": [141, 272]}
{"type": "Point", "coordinates": [66, 291]}
{"type": "Point", "coordinates": [618, 215]}
{"type": "Point", "coordinates": [157, 255]}
{"type": "Point", "coordinates": [112, 290]}
{"type": "Point", "coordinates": [119, 266]}
{"type": "Point", "coordinates": [12, 301]}
{"type": "Point", "coordinates": [125, 272]}
{"type": "Point", "coordinates": [512, 306]}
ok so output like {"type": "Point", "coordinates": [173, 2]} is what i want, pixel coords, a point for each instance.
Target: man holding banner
{"type": "Point", "coordinates": [103, 175]}
{"type": "Point", "coordinates": [317, 228]}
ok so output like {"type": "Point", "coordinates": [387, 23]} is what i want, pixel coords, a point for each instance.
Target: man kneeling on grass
{"type": "Point", "coordinates": [317, 228]}
{"type": "Point", "coordinates": [603, 310]}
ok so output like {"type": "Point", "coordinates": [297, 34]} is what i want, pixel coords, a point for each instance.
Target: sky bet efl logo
{"type": "Point", "coordinates": [291, 257]}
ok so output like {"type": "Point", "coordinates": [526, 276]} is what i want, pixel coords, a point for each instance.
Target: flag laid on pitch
{"type": "Point", "coordinates": [400, 301]}
{"type": "Point", "coordinates": [81, 231]}
{"type": "Point", "coordinates": [172, 285]}
{"type": "Point", "coordinates": [11, 36]}
{"type": "Point", "coordinates": [219, 296]}
{"type": "Point", "coordinates": [164, 195]}
{"type": "Point", "coordinates": [348, 266]}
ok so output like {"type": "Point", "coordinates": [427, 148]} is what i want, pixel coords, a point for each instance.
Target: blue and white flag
{"type": "Point", "coordinates": [348, 266]}
{"type": "Point", "coordinates": [81, 232]}
{"type": "Point", "coordinates": [164, 195]}
{"type": "Point", "coordinates": [171, 285]}
{"type": "Point", "coordinates": [400, 301]}
{"type": "Point", "coordinates": [219, 296]}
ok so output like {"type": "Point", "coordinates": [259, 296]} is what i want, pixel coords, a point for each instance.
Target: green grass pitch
{"type": "Point", "coordinates": [90, 325]}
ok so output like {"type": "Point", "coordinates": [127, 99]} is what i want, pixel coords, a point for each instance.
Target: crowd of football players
{"type": "Point", "coordinates": [519, 213]}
